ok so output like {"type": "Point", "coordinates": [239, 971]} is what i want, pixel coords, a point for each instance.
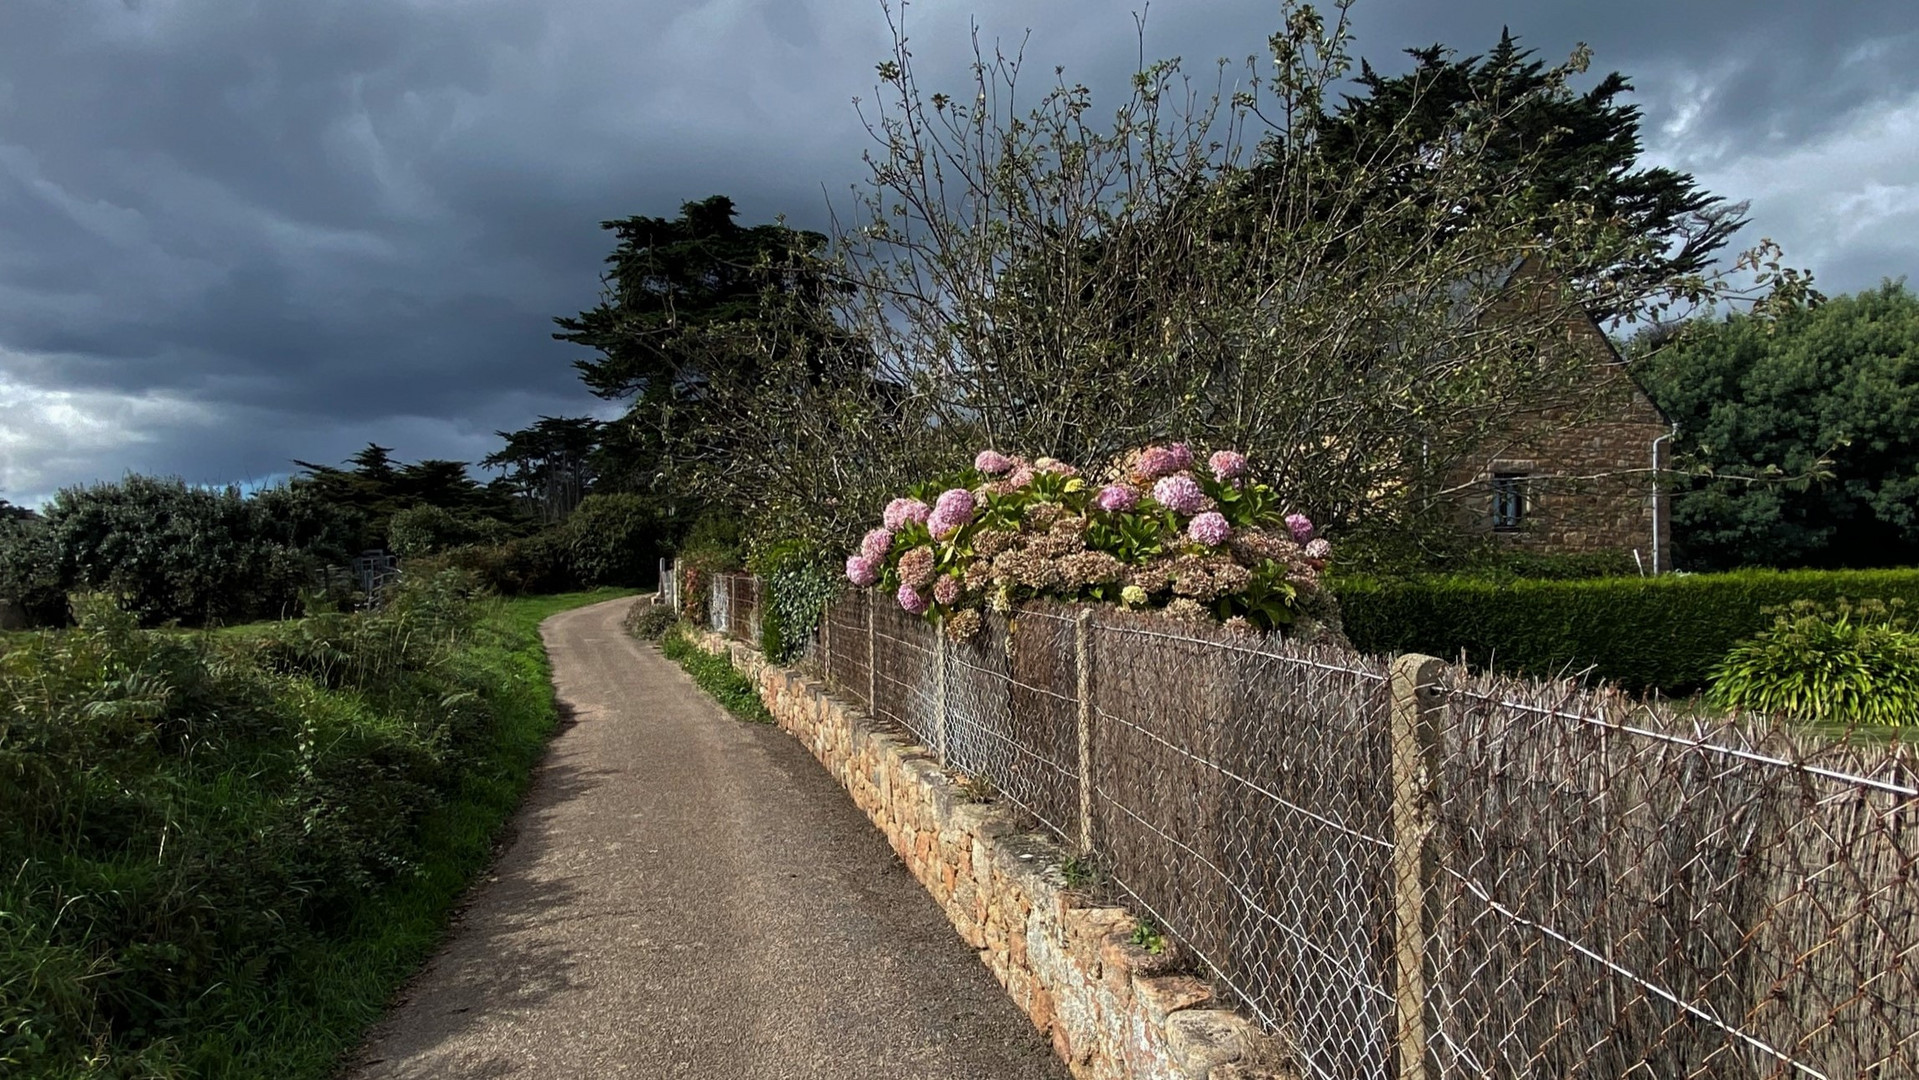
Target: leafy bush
{"type": "Point", "coordinates": [524, 566]}
{"type": "Point", "coordinates": [1666, 633]}
{"type": "Point", "coordinates": [1843, 663]}
{"type": "Point", "coordinates": [223, 851]}
{"type": "Point", "coordinates": [650, 622]}
{"type": "Point", "coordinates": [798, 588]}
{"type": "Point", "coordinates": [1160, 531]}
{"type": "Point", "coordinates": [717, 676]}
{"type": "Point", "coordinates": [613, 540]}
{"type": "Point", "coordinates": [171, 552]}
{"type": "Point", "coordinates": [428, 530]}
{"type": "Point", "coordinates": [697, 567]}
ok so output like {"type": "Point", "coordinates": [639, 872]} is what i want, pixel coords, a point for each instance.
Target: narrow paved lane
{"type": "Point", "coordinates": [690, 896]}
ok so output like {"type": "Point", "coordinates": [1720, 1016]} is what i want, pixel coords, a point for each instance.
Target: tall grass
{"type": "Point", "coordinates": [220, 854]}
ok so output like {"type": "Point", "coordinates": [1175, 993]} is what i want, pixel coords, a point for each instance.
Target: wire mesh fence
{"type": "Point", "coordinates": [1409, 871]}
{"type": "Point", "coordinates": [733, 606]}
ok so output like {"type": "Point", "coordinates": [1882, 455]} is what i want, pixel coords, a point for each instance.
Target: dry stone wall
{"type": "Point", "coordinates": [1108, 1005]}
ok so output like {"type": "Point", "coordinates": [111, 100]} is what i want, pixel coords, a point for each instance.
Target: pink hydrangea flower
{"type": "Point", "coordinates": [875, 544]}
{"type": "Point", "coordinates": [1155, 462]}
{"type": "Point", "coordinates": [947, 591]}
{"type": "Point", "coordinates": [1117, 498]}
{"type": "Point", "coordinates": [993, 463]}
{"type": "Point", "coordinates": [1182, 455]}
{"type": "Point", "coordinates": [911, 600]}
{"type": "Point", "coordinates": [1055, 466]}
{"type": "Point", "coordinates": [1319, 549]}
{"type": "Point", "coordinates": [917, 567]}
{"type": "Point", "coordinates": [901, 511]}
{"type": "Point", "coordinates": [1228, 465]}
{"type": "Point", "coordinates": [1022, 476]}
{"type": "Point", "coordinates": [1180, 494]}
{"type": "Point", "coordinates": [1301, 527]}
{"type": "Point", "coordinates": [863, 570]}
{"type": "Point", "coordinates": [1209, 528]}
{"type": "Point", "coordinates": [954, 509]}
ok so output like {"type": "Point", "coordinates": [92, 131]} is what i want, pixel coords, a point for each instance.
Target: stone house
{"type": "Point", "coordinates": [1580, 473]}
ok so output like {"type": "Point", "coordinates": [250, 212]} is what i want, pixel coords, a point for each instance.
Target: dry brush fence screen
{"type": "Point", "coordinates": [1604, 891]}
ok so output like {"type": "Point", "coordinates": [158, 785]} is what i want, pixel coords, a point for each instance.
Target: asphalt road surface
{"type": "Point", "coordinates": [687, 895]}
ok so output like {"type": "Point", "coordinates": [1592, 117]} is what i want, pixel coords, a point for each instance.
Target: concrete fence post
{"type": "Point", "coordinates": [1416, 717]}
{"type": "Point", "coordinates": [940, 711]}
{"type": "Point", "coordinates": [872, 654]}
{"type": "Point", "coordinates": [1083, 650]}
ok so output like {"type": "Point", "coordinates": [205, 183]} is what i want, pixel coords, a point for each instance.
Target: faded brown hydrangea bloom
{"type": "Point", "coordinates": [916, 568]}
{"type": "Point", "coordinates": [1187, 610]}
{"type": "Point", "coordinates": [963, 626]}
{"type": "Point", "coordinates": [1088, 568]}
{"type": "Point", "coordinates": [990, 542]}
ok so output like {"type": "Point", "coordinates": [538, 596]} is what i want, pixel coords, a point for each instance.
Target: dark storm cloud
{"type": "Point", "coordinates": [233, 232]}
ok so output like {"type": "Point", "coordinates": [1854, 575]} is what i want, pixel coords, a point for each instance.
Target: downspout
{"type": "Point", "coordinates": [1673, 434]}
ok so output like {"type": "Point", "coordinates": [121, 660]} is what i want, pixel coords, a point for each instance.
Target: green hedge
{"type": "Point", "coordinates": [1662, 633]}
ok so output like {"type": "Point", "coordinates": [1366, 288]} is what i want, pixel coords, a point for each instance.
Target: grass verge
{"type": "Point", "coordinates": [224, 853]}
{"type": "Point", "coordinates": [336, 993]}
{"type": "Point", "coordinates": [717, 676]}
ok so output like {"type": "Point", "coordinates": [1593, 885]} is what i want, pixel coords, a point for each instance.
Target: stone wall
{"type": "Point", "coordinates": [1588, 457]}
{"type": "Point", "coordinates": [1109, 1007]}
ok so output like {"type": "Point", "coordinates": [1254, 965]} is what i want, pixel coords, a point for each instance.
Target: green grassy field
{"type": "Point", "coordinates": [238, 846]}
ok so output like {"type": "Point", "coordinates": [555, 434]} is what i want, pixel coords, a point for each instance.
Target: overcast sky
{"type": "Point", "coordinates": [236, 232]}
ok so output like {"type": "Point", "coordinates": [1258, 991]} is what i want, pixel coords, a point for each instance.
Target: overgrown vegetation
{"type": "Point", "coordinates": [717, 676]}
{"type": "Point", "coordinates": [1666, 633]}
{"type": "Point", "coordinates": [1842, 663]}
{"type": "Point", "coordinates": [223, 852]}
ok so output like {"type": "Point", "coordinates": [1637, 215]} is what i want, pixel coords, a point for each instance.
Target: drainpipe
{"type": "Point", "coordinates": [1673, 434]}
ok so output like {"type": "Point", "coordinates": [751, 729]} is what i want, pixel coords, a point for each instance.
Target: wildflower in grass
{"type": "Point", "coordinates": [1180, 494]}
{"type": "Point", "coordinates": [1227, 465]}
{"type": "Point", "coordinates": [1301, 527]}
{"type": "Point", "coordinates": [899, 512]}
{"type": "Point", "coordinates": [993, 463]}
{"type": "Point", "coordinates": [911, 600]}
{"type": "Point", "coordinates": [876, 544]}
{"type": "Point", "coordinates": [916, 567]}
{"type": "Point", "coordinates": [1209, 528]}
{"type": "Point", "coordinates": [863, 570]}
{"type": "Point", "coordinates": [1117, 498]}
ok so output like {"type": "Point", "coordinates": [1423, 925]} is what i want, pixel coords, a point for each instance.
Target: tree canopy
{"type": "Point", "coordinates": [1826, 389]}
{"type": "Point", "coordinates": [1573, 152]}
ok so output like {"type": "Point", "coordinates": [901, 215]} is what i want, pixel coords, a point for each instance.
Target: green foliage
{"type": "Point", "coordinates": [717, 676]}
{"type": "Point", "coordinates": [650, 622]}
{"type": "Point", "coordinates": [170, 551]}
{"type": "Point", "coordinates": [1147, 936]}
{"type": "Point", "coordinates": [550, 466]}
{"type": "Point", "coordinates": [377, 487]}
{"type": "Point", "coordinates": [426, 529]}
{"type": "Point", "coordinates": [798, 586]}
{"type": "Point", "coordinates": [1831, 389]}
{"type": "Point", "coordinates": [1576, 148]}
{"type": "Point", "coordinates": [1665, 633]}
{"type": "Point", "coordinates": [1843, 663]}
{"type": "Point", "coordinates": [224, 852]}
{"type": "Point", "coordinates": [613, 540]}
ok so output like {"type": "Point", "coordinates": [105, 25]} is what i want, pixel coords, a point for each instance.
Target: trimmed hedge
{"type": "Point", "coordinates": [1665, 633]}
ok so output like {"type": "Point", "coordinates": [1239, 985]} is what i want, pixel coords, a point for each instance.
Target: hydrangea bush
{"type": "Point", "coordinates": [1157, 530]}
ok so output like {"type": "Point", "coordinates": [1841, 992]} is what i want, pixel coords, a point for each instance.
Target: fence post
{"type": "Point", "coordinates": [939, 694]}
{"type": "Point", "coordinates": [872, 651]}
{"type": "Point", "coordinates": [1083, 648]}
{"type": "Point", "coordinates": [1415, 736]}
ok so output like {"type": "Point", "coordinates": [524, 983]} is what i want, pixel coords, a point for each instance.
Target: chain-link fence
{"type": "Point", "coordinates": [733, 606]}
{"type": "Point", "coordinates": [1408, 871]}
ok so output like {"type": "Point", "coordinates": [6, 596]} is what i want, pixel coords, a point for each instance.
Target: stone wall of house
{"type": "Point", "coordinates": [1588, 459]}
{"type": "Point", "coordinates": [1109, 1007]}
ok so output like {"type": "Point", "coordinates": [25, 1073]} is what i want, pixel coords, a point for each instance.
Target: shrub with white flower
{"type": "Point", "coordinates": [1159, 529]}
